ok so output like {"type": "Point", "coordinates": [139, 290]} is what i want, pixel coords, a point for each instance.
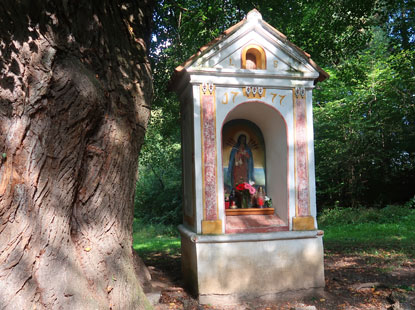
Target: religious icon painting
{"type": "Point", "coordinates": [243, 154]}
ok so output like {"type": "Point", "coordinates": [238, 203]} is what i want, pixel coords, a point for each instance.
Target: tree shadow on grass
{"type": "Point", "coordinates": [355, 247]}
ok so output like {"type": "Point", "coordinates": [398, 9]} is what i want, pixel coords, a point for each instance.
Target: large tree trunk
{"type": "Point", "coordinates": [75, 88]}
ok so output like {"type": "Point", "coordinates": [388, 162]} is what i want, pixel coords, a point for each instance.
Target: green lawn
{"type": "Point", "coordinates": [390, 229]}
{"type": "Point", "coordinates": [361, 230]}
{"type": "Point", "coordinates": [155, 238]}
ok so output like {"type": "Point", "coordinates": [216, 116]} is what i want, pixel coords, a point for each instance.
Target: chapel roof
{"type": "Point", "coordinates": [179, 70]}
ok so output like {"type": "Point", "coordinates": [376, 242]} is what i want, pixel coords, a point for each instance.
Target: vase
{"type": "Point", "coordinates": [244, 202]}
{"type": "Point", "coordinates": [251, 202]}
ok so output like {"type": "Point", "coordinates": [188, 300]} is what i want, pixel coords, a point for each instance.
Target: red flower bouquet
{"type": "Point", "coordinates": [246, 191]}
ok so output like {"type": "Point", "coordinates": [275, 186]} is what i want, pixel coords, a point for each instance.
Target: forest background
{"type": "Point", "coordinates": [364, 115]}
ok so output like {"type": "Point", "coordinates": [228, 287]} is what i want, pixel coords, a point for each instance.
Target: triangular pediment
{"type": "Point", "coordinates": [277, 59]}
{"type": "Point", "coordinates": [226, 53]}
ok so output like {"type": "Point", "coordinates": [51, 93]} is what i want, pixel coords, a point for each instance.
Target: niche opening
{"type": "Point", "coordinates": [253, 58]}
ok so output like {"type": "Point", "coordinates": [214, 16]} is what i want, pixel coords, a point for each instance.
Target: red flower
{"type": "Point", "coordinates": [240, 187]}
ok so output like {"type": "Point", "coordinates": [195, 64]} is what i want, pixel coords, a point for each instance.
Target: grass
{"type": "Point", "coordinates": [371, 231]}
{"type": "Point", "coordinates": [155, 238]}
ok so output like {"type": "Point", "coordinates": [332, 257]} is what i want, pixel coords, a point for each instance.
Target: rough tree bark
{"type": "Point", "coordinates": [75, 87]}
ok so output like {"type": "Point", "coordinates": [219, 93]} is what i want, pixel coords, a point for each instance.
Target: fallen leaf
{"type": "Point", "coordinates": [87, 249]}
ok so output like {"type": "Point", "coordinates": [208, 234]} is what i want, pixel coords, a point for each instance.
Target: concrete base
{"type": "Point", "coordinates": [251, 265]}
{"type": "Point", "coordinates": [236, 299]}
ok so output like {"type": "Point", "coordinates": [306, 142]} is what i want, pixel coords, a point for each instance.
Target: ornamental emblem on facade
{"type": "Point", "coordinates": [300, 92]}
{"type": "Point", "coordinates": [207, 88]}
{"type": "Point", "coordinates": [253, 92]}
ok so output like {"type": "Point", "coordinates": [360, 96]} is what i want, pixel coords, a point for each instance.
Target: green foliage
{"type": "Point", "coordinates": [392, 214]}
{"type": "Point", "coordinates": [401, 22]}
{"type": "Point", "coordinates": [143, 230]}
{"type": "Point", "coordinates": [329, 30]}
{"type": "Point", "coordinates": [365, 128]}
{"type": "Point", "coordinates": [158, 194]}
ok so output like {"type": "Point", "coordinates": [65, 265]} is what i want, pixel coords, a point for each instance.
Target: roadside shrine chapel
{"type": "Point", "coordinates": [248, 153]}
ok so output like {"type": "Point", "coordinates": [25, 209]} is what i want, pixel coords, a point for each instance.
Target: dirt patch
{"type": "Point", "coordinates": [382, 281]}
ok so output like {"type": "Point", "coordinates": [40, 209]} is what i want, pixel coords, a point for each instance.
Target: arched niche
{"type": "Point", "coordinates": [253, 57]}
{"type": "Point", "coordinates": [274, 130]}
{"type": "Point", "coordinates": [253, 165]}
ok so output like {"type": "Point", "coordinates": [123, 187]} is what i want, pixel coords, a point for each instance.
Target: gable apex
{"type": "Point", "coordinates": [253, 15]}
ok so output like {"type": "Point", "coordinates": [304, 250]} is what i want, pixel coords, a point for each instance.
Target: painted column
{"type": "Point", "coordinates": [303, 219]}
{"type": "Point", "coordinates": [211, 224]}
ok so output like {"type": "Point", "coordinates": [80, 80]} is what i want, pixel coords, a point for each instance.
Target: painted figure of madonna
{"type": "Point", "coordinates": [241, 163]}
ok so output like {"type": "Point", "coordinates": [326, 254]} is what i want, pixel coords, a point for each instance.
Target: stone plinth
{"type": "Point", "coordinates": [254, 224]}
{"type": "Point", "coordinates": [251, 265]}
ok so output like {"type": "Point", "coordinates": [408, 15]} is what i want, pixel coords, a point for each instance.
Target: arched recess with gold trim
{"type": "Point", "coordinates": [253, 57]}
{"type": "Point", "coordinates": [275, 134]}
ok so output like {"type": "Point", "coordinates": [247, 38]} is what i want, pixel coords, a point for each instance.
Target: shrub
{"type": "Point", "coordinates": [387, 215]}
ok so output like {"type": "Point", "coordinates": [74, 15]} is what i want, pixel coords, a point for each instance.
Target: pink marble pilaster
{"type": "Point", "coordinates": [301, 153]}
{"type": "Point", "coordinates": [208, 126]}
